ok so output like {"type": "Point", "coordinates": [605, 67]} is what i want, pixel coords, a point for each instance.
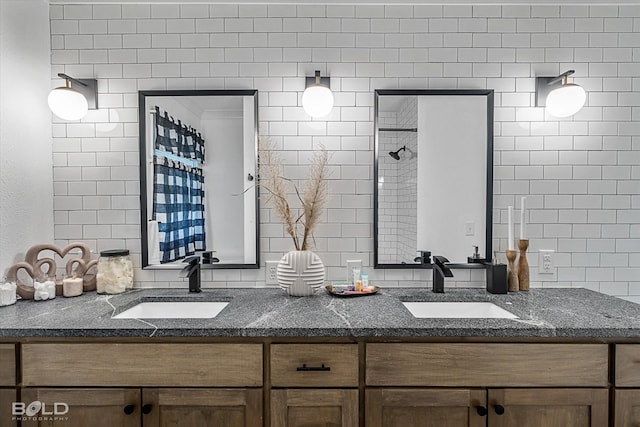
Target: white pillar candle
{"type": "Point", "coordinates": [522, 225]}
{"type": "Point", "coordinates": [510, 221]}
{"type": "Point", "coordinates": [72, 286]}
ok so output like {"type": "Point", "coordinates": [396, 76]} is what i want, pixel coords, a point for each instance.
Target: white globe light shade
{"type": "Point", "coordinates": [317, 101]}
{"type": "Point", "coordinates": [566, 100]}
{"type": "Point", "coordinates": [67, 103]}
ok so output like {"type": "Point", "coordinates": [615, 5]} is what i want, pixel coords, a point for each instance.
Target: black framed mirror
{"type": "Point", "coordinates": [433, 176]}
{"type": "Point", "coordinates": [198, 163]}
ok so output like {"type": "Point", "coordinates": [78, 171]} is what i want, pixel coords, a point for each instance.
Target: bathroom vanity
{"type": "Point", "coordinates": [570, 358]}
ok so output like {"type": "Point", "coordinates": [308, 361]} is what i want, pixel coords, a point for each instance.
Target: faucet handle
{"type": "Point", "coordinates": [192, 260]}
{"type": "Point", "coordinates": [424, 257]}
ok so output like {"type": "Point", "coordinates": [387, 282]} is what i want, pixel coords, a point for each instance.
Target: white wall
{"type": "Point", "coordinates": [224, 202]}
{"type": "Point", "coordinates": [26, 189]}
{"type": "Point", "coordinates": [581, 175]}
{"type": "Point", "coordinates": [452, 148]}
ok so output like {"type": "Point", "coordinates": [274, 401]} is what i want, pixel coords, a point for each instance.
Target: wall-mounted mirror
{"type": "Point", "coordinates": [433, 174]}
{"type": "Point", "coordinates": [198, 161]}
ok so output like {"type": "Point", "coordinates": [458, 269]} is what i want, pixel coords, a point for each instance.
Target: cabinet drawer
{"type": "Point", "coordinates": [627, 365]}
{"type": "Point", "coordinates": [140, 365]}
{"type": "Point", "coordinates": [7, 364]}
{"type": "Point", "coordinates": [293, 365]}
{"type": "Point", "coordinates": [487, 365]}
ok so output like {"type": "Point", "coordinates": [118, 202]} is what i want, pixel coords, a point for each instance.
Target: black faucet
{"type": "Point", "coordinates": [440, 271]}
{"type": "Point", "coordinates": [424, 258]}
{"type": "Point", "coordinates": [192, 271]}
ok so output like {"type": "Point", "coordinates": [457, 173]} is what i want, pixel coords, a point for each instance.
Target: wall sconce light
{"type": "Point", "coordinates": [317, 99]}
{"type": "Point", "coordinates": [71, 102]}
{"type": "Point", "coordinates": [561, 99]}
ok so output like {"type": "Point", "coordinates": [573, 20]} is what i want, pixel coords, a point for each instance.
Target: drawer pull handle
{"type": "Point", "coordinates": [499, 409]}
{"type": "Point", "coordinates": [146, 409]}
{"type": "Point", "coordinates": [304, 367]}
{"type": "Point", "coordinates": [129, 409]}
{"type": "Point", "coordinates": [481, 410]}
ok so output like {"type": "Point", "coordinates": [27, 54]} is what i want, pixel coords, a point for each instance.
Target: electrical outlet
{"type": "Point", "coordinates": [469, 228]}
{"type": "Point", "coordinates": [545, 262]}
{"type": "Point", "coordinates": [271, 273]}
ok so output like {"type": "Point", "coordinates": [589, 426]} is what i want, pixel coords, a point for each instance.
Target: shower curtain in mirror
{"type": "Point", "coordinates": [178, 188]}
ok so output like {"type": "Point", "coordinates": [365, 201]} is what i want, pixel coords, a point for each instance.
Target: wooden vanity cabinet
{"type": "Point", "coordinates": [406, 384]}
{"type": "Point", "coordinates": [543, 373]}
{"type": "Point", "coordinates": [627, 383]}
{"type": "Point", "coordinates": [7, 365]}
{"type": "Point", "coordinates": [169, 407]}
{"type": "Point", "coordinates": [8, 392]}
{"type": "Point", "coordinates": [314, 384]}
{"type": "Point", "coordinates": [397, 407]}
{"type": "Point", "coordinates": [86, 406]}
{"type": "Point", "coordinates": [150, 385]}
{"type": "Point", "coordinates": [7, 397]}
{"type": "Point", "coordinates": [552, 407]}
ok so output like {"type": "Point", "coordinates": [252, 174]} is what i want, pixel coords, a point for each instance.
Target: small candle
{"type": "Point", "coordinates": [72, 286]}
{"type": "Point", "coordinates": [510, 226]}
{"type": "Point", "coordinates": [522, 225]}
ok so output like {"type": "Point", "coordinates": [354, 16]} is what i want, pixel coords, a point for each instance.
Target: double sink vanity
{"type": "Point", "coordinates": [254, 357]}
{"type": "Point", "coordinates": [404, 357]}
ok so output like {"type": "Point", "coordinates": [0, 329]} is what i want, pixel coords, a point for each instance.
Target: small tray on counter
{"type": "Point", "coordinates": [351, 294]}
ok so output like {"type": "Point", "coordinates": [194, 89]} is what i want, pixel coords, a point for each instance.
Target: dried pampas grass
{"type": "Point", "coordinates": [299, 222]}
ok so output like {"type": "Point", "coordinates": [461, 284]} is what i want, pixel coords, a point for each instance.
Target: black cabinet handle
{"type": "Point", "coordinates": [146, 409]}
{"type": "Point", "coordinates": [129, 409]}
{"type": "Point", "coordinates": [499, 409]}
{"type": "Point", "coordinates": [304, 367]}
{"type": "Point", "coordinates": [481, 410]}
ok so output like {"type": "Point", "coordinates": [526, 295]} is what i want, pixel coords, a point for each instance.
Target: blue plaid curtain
{"type": "Point", "coordinates": [178, 189]}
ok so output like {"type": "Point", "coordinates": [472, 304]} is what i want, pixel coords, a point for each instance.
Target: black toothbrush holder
{"type": "Point", "coordinates": [496, 278]}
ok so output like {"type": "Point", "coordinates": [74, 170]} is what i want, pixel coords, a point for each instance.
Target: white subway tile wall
{"type": "Point", "coordinates": [581, 175]}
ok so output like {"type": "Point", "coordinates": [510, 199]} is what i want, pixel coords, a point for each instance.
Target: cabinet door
{"type": "Point", "coordinates": [548, 407]}
{"type": "Point", "coordinates": [7, 365]}
{"type": "Point", "coordinates": [313, 408]}
{"type": "Point", "coordinates": [87, 407]}
{"type": "Point", "coordinates": [7, 397]}
{"type": "Point", "coordinates": [627, 413]}
{"type": "Point", "coordinates": [425, 408]}
{"type": "Point", "coordinates": [202, 407]}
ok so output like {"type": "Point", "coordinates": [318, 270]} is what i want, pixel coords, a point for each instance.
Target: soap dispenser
{"type": "Point", "coordinates": [475, 257]}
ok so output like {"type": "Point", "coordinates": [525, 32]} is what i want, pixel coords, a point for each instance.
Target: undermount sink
{"type": "Point", "coordinates": [458, 310]}
{"type": "Point", "coordinates": [173, 310]}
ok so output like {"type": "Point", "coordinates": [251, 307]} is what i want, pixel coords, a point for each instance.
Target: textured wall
{"type": "Point", "coordinates": [581, 175]}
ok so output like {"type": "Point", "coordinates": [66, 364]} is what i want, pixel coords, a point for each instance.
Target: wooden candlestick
{"type": "Point", "coordinates": [512, 278]}
{"type": "Point", "coordinates": [523, 265]}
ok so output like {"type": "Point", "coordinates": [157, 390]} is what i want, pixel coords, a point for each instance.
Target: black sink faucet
{"type": "Point", "coordinates": [192, 271]}
{"type": "Point", "coordinates": [440, 271]}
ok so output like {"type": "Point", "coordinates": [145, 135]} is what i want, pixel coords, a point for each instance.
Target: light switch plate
{"type": "Point", "coordinates": [469, 228]}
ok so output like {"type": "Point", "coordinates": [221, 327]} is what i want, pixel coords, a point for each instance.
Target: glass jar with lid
{"type": "Point", "coordinates": [115, 272]}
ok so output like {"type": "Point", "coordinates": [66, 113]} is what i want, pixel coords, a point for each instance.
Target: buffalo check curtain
{"type": "Point", "coordinates": [178, 188]}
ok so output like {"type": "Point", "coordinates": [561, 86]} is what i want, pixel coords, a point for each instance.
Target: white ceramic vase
{"type": "Point", "coordinates": [300, 273]}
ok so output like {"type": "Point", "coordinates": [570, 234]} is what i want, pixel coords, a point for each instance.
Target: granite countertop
{"type": "Point", "coordinates": [547, 313]}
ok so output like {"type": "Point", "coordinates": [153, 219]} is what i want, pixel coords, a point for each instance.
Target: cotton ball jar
{"type": "Point", "coordinates": [115, 272]}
